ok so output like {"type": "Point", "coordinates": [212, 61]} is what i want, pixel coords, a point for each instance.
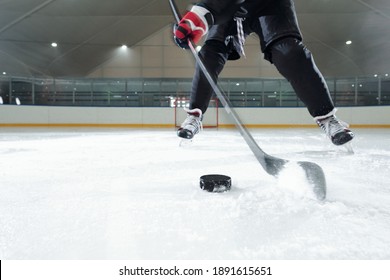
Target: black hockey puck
{"type": "Point", "coordinates": [215, 183]}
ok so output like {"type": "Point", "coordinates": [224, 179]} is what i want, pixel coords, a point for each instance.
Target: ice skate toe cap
{"type": "Point", "coordinates": [342, 138]}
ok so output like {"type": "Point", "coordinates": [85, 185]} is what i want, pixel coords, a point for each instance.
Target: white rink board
{"type": "Point", "coordinates": [12, 114]}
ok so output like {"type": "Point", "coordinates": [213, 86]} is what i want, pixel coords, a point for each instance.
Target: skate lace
{"type": "Point", "coordinates": [192, 123]}
{"type": "Point", "coordinates": [332, 126]}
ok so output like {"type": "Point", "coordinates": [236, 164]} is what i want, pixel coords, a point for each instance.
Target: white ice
{"type": "Point", "coordinates": [134, 194]}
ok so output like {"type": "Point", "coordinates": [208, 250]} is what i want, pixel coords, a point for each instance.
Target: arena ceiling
{"type": "Point", "coordinates": [87, 30]}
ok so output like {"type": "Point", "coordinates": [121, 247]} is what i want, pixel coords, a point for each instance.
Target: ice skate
{"type": "Point", "coordinates": [191, 125]}
{"type": "Point", "coordinates": [337, 131]}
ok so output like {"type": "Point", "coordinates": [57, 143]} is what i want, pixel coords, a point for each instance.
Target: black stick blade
{"type": "Point", "coordinates": [314, 173]}
{"type": "Point", "coordinates": [316, 177]}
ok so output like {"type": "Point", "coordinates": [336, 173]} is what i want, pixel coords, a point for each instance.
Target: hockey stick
{"type": "Point", "coordinates": [272, 165]}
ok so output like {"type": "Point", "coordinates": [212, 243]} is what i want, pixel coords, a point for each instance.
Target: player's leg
{"type": "Point", "coordinates": [282, 46]}
{"type": "Point", "coordinates": [295, 62]}
{"type": "Point", "coordinates": [214, 55]}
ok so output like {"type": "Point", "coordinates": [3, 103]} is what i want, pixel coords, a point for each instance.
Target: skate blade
{"type": "Point", "coordinates": [348, 147]}
{"type": "Point", "coordinates": [185, 143]}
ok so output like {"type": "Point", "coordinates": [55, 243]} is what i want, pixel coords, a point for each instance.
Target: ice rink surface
{"type": "Point", "coordinates": [134, 194]}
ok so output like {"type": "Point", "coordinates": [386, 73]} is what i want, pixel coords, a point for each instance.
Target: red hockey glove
{"type": "Point", "coordinates": [193, 26]}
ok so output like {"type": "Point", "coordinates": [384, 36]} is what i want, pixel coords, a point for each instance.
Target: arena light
{"type": "Point", "coordinates": [54, 44]}
{"type": "Point", "coordinates": [348, 42]}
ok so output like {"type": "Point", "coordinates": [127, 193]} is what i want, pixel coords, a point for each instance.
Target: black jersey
{"type": "Point", "coordinates": [224, 10]}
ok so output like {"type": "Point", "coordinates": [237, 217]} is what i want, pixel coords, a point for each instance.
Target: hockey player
{"type": "Point", "coordinates": [226, 24]}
